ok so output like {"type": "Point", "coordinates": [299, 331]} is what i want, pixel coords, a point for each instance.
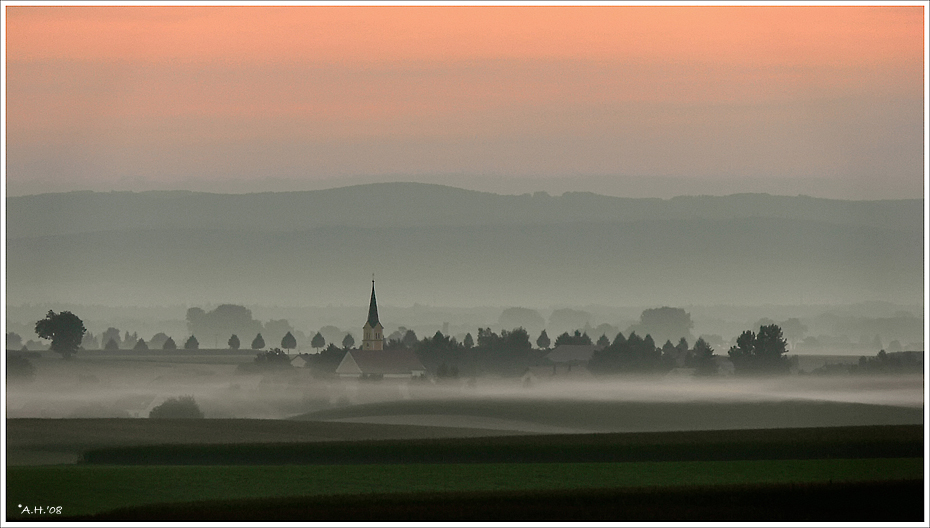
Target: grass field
{"type": "Point", "coordinates": [33, 441]}
{"type": "Point", "coordinates": [87, 489]}
{"type": "Point", "coordinates": [624, 416]}
{"type": "Point", "coordinates": [831, 501]}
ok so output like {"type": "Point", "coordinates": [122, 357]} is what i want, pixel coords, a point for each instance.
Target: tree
{"type": "Point", "coordinates": [468, 342]}
{"type": "Point", "coordinates": [191, 343]}
{"type": "Point", "coordinates": [183, 407]}
{"type": "Point", "coordinates": [603, 341]}
{"type": "Point", "coordinates": [704, 362]}
{"type": "Point", "coordinates": [543, 340]}
{"type": "Point", "coordinates": [762, 353]}
{"type": "Point", "coordinates": [169, 345]}
{"type": "Point", "coordinates": [348, 341]}
{"type": "Point", "coordinates": [65, 329]}
{"type": "Point", "coordinates": [13, 341]}
{"type": "Point", "coordinates": [318, 342]}
{"type": "Point", "coordinates": [140, 345]}
{"type": "Point", "coordinates": [664, 323]}
{"type": "Point", "coordinates": [794, 330]}
{"type": "Point", "coordinates": [89, 342]}
{"type": "Point", "coordinates": [258, 343]}
{"type": "Point", "coordinates": [410, 339]}
{"type": "Point", "coordinates": [577, 339]}
{"type": "Point", "coordinates": [110, 334]}
{"type": "Point", "coordinates": [158, 340]}
{"type": "Point", "coordinates": [288, 342]}
{"type": "Point", "coordinates": [233, 342]}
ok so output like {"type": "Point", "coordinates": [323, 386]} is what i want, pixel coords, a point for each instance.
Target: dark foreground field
{"type": "Point", "coordinates": [839, 474]}
{"type": "Point", "coordinates": [886, 501]}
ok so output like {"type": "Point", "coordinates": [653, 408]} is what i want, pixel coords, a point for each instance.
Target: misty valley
{"type": "Point", "coordinates": [522, 358]}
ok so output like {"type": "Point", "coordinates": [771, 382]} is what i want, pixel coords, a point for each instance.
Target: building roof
{"type": "Point", "coordinates": [373, 308]}
{"type": "Point", "coordinates": [567, 353]}
{"type": "Point", "coordinates": [396, 361]}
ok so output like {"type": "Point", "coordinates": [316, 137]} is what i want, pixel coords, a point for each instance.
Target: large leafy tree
{"type": "Point", "coordinates": [762, 353]}
{"type": "Point", "coordinates": [65, 329]}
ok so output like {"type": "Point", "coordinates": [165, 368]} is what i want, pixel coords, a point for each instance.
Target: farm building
{"type": "Point", "coordinates": [399, 363]}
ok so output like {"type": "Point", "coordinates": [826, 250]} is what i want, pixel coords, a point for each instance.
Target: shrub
{"type": "Point", "coordinates": [181, 407]}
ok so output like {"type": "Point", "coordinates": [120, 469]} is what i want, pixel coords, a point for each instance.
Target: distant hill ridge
{"type": "Point", "coordinates": [416, 205]}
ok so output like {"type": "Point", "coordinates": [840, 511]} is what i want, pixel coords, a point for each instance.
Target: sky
{"type": "Point", "coordinates": [625, 100]}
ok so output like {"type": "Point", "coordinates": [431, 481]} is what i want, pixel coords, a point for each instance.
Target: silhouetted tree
{"type": "Point", "coordinates": [603, 341]}
{"type": "Point", "coordinates": [794, 329]}
{"type": "Point", "coordinates": [191, 343]}
{"type": "Point", "coordinates": [468, 342]}
{"type": "Point", "coordinates": [288, 342]}
{"type": "Point", "coordinates": [108, 334]}
{"type": "Point", "coordinates": [704, 362]}
{"type": "Point", "coordinates": [183, 407]}
{"type": "Point", "coordinates": [664, 323]}
{"type": "Point", "coordinates": [318, 342]}
{"type": "Point", "coordinates": [169, 344]}
{"type": "Point", "coordinates": [631, 354]}
{"type": "Point", "coordinates": [275, 358]}
{"type": "Point", "coordinates": [13, 341]}
{"type": "Point", "coordinates": [762, 353]}
{"type": "Point", "coordinates": [348, 341]}
{"type": "Point", "coordinates": [89, 342]}
{"type": "Point", "coordinates": [543, 340]}
{"type": "Point", "coordinates": [258, 343]}
{"type": "Point", "coordinates": [577, 339]}
{"type": "Point", "coordinates": [65, 329]}
{"type": "Point", "coordinates": [130, 340]}
{"type": "Point", "coordinates": [140, 345]}
{"type": "Point", "coordinates": [410, 339]}
{"type": "Point", "coordinates": [325, 362]}
{"type": "Point", "coordinates": [233, 342]}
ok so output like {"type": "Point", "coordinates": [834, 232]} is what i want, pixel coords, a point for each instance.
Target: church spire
{"type": "Point", "coordinates": [372, 332]}
{"type": "Point", "coordinates": [373, 307]}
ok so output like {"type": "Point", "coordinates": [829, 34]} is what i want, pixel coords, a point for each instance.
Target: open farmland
{"type": "Point", "coordinates": [641, 462]}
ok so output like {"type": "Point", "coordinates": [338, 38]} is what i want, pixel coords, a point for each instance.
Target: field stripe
{"type": "Point", "coordinates": [82, 489]}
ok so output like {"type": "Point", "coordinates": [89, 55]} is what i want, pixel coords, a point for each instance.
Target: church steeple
{"type": "Point", "coordinates": [373, 331]}
{"type": "Point", "coordinates": [373, 307]}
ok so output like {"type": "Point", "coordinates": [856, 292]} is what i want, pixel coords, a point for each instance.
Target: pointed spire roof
{"type": "Point", "coordinates": [373, 308]}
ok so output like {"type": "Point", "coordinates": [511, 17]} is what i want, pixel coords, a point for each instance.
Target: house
{"type": "Point", "coordinates": [372, 361]}
{"type": "Point", "coordinates": [397, 363]}
{"type": "Point", "coordinates": [300, 361]}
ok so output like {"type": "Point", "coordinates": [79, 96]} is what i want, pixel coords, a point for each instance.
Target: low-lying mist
{"type": "Point", "coordinates": [89, 388]}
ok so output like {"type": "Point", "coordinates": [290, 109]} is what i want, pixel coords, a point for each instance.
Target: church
{"type": "Point", "coordinates": [372, 360]}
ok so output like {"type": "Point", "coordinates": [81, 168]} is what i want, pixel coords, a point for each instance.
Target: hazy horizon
{"type": "Point", "coordinates": [638, 101]}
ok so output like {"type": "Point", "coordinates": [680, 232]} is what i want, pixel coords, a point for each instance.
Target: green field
{"type": "Point", "coordinates": [87, 489]}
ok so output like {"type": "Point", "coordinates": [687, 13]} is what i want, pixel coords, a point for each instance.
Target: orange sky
{"type": "Point", "coordinates": [359, 90]}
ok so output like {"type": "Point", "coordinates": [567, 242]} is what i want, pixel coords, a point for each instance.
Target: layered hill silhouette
{"type": "Point", "coordinates": [441, 245]}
